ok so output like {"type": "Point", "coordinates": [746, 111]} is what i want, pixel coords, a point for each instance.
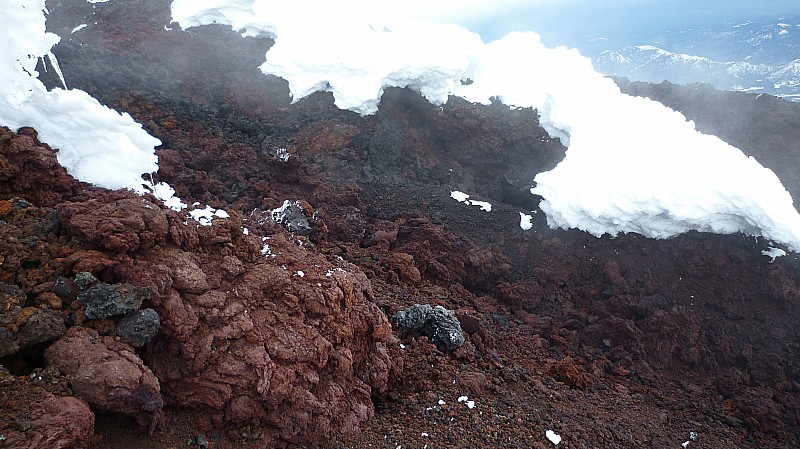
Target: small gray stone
{"type": "Point", "coordinates": [139, 327]}
{"type": "Point", "coordinates": [61, 287]}
{"type": "Point", "coordinates": [106, 300]}
{"type": "Point", "coordinates": [84, 280]}
{"type": "Point", "coordinates": [19, 203]}
{"type": "Point", "coordinates": [201, 441]}
{"type": "Point", "coordinates": [44, 325]}
{"type": "Point", "coordinates": [437, 323]}
{"type": "Point", "coordinates": [292, 217]}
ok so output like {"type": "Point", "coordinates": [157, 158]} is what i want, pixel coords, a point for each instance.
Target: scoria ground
{"type": "Point", "coordinates": [279, 338]}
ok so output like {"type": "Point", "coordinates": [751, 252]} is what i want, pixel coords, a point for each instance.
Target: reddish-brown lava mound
{"type": "Point", "coordinates": [271, 337]}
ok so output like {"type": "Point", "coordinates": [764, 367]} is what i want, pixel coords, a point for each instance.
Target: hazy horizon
{"type": "Point", "coordinates": [564, 22]}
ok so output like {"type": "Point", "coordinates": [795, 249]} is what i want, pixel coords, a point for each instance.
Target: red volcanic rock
{"type": "Point", "coordinates": [255, 329]}
{"type": "Point", "coordinates": [445, 257]}
{"type": "Point", "coordinates": [520, 295]}
{"type": "Point", "coordinates": [121, 225]}
{"type": "Point", "coordinates": [33, 418]}
{"type": "Point", "coordinates": [30, 169]}
{"type": "Point", "coordinates": [291, 342]}
{"type": "Point", "coordinates": [403, 265]}
{"type": "Point", "coordinates": [67, 422]}
{"type": "Point", "coordinates": [107, 374]}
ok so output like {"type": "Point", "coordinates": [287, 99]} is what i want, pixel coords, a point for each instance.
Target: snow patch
{"type": "Point", "coordinates": [166, 194]}
{"type": "Point", "coordinates": [466, 401]}
{"type": "Point", "coordinates": [525, 221]}
{"type": "Point", "coordinates": [773, 253]}
{"type": "Point", "coordinates": [462, 197]}
{"type": "Point", "coordinates": [553, 437]}
{"type": "Point", "coordinates": [206, 215]}
{"type": "Point", "coordinates": [95, 144]}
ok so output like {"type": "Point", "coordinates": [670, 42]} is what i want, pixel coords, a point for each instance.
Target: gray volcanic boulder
{"type": "Point", "coordinates": [138, 327]}
{"type": "Point", "coordinates": [107, 300]}
{"type": "Point", "coordinates": [437, 323]}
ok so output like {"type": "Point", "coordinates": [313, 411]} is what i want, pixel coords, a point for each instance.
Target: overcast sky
{"type": "Point", "coordinates": [563, 20]}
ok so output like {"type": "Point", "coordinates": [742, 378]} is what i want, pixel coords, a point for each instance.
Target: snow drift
{"type": "Point", "coordinates": [632, 165]}
{"type": "Point", "coordinates": [95, 144]}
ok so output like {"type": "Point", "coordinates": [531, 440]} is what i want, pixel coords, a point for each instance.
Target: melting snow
{"type": "Point", "coordinates": [632, 165]}
{"type": "Point", "coordinates": [467, 402]}
{"type": "Point", "coordinates": [525, 221]}
{"type": "Point", "coordinates": [553, 437]}
{"type": "Point", "coordinates": [773, 253]}
{"type": "Point", "coordinates": [206, 215]}
{"type": "Point", "coordinates": [462, 197]}
{"type": "Point", "coordinates": [96, 144]}
{"type": "Point", "coordinates": [166, 194]}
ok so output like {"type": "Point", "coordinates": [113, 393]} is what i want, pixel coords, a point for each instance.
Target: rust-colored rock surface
{"type": "Point", "coordinates": [27, 164]}
{"type": "Point", "coordinates": [35, 418]}
{"type": "Point", "coordinates": [107, 374]}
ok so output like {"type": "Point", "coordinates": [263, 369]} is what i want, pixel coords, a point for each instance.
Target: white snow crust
{"type": "Point", "coordinates": [95, 144]}
{"type": "Point", "coordinates": [632, 165]}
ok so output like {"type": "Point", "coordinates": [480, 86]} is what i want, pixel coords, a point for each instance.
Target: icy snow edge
{"type": "Point", "coordinates": [632, 165]}
{"type": "Point", "coordinates": [95, 144]}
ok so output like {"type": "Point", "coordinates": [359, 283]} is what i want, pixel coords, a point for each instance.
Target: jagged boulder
{"type": "Point", "coordinates": [138, 327]}
{"type": "Point", "coordinates": [107, 300]}
{"type": "Point", "coordinates": [254, 328]}
{"type": "Point", "coordinates": [437, 323]}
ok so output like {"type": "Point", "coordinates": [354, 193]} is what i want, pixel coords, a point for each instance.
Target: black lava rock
{"type": "Point", "coordinates": [139, 327]}
{"type": "Point", "coordinates": [84, 280]}
{"type": "Point", "coordinates": [61, 287]}
{"type": "Point", "coordinates": [292, 217]}
{"type": "Point", "coordinates": [106, 300]}
{"type": "Point", "coordinates": [437, 323]}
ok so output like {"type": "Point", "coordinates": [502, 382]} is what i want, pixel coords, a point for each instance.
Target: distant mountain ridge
{"type": "Point", "coordinates": [761, 57]}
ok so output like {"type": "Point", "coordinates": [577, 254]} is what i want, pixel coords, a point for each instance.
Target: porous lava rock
{"type": "Point", "coordinates": [22, 326]}
{"type": "Point", "coordinates": [256, 328]}
{"type": "Point", "coordinates": [107, 374]}
{"type": "Point", "coordinates": [120, 222]}
{"type": "Point", "coordinates": [107, 300]}
{"type": "Point", "coordinates": [34, 418]}
{"type": "Point", "coordinates": [27, 165]}
{"type": "Point", "coordinates": [138, 327]}
{"type": "Point", "coordinates": [437, 323]}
